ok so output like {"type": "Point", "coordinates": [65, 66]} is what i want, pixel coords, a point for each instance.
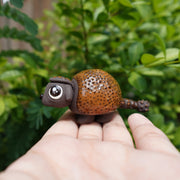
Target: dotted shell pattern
{"type": "Point", "coordinates": [98, 92]}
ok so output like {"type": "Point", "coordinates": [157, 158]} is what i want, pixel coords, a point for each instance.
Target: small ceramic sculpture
{"type": "Point", "coordinates": [92, 95]}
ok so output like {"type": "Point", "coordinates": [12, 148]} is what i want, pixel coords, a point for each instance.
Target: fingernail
{"type": "Point", "coordinates": [138, 119]}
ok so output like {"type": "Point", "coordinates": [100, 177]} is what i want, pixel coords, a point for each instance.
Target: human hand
{"type": "Point", "coordinates": [103, 152]}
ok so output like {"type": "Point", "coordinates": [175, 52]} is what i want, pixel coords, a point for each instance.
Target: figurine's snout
{"type": "Point", "coordinates": [41, 96]}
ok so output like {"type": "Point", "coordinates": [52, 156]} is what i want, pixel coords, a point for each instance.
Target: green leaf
{"type": "Point", "coordinates": [102, 17]}
{"type": "Point", "coordinates": [147, 58]}
{"type": "Point", "coordinates": [36, 111]}
{"type": "Point", "coordinates": [161, 7]}
{"type": "Point", "coordinates": [22, 53]}
{"type": "Point", "coordinates": [135, 51]}
{"type": "Point", "coordinates": [117, 20]}
{"type": "Point", "coordinates": [176, 139]}
{"type": "Point", "coordinates": [177, 108]}
{"type": "Point", "coordinates": [106, 4]}
{"type": "Point", "coordinates": [151, 97]}
{"type": "Point", "coordinates": [19, 17]}
{"type": "Point", "coordinates": [23, 91]}
{"type": "Point", "coordinates": [150, 72]}
{"type": "Point", "coordinates": [41, 72]}
{"type": "Point", "coordinates": [72, 48]}
{"type": "Point", "coordinates": [88, 15]}
{"type": "Point", "coordinates": [14, 33]}
{"type": "Point", "coordinates": [137, 81]}
{"type": "Point", "coordinates": [10, 102]}
{"type": "Point", "coordinates": [17, 3]}
{"type": "Point", "coordinates": [125, 3]}
{"type": "Point", "coordinates": [157, 119]}
{"type": "Point", "coordinates": [161, 43]}
{"type": "Point", "coordinates": [3, 119]}
{"type": "Point", "coordinates": [171, 31]}
{"type": "Point", "coordinates": [169, 128]}
{"type": "Point", "coordinates": [3, 61]}
{"type": "Point", "coordinates": [2, 106]}
{"type": "Point", "coordinates": [176, 94]}
{"type": "Point", "coordinates": [29, 60]}
{"type": "Point", "coordinates": [35, 116]}
{"type": "Point", "coordinates": [174, 66]}
{"type": "Point", "coordinates": [144, 9]}
{"type": "Point", "coordinates": [157, 62]}
{"type": "Point", "coordinates": [115, 68]}
{"type": "Point", "coordinates": [171, 54]}
{"type": "Point", "coordinates": [47, 111]}
{"type": "Point", "coordinates": [10, 75]}
{"type": "Point", "coordinates": [114, 7]}
{"type": "Point", "coordinates": [76, 34]}
{"type": "Point", "coordinates": [97, 38]}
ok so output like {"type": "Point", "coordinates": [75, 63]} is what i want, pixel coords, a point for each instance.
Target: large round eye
{"type": "Point", "coordinates": [55, 92]}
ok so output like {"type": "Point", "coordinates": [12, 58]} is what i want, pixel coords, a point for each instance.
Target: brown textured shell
{"type": "Point", "coordinates": [98, 92]}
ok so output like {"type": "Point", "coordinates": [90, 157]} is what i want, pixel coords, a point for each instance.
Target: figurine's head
{"type": "Point", "coordinates": [58, 92]}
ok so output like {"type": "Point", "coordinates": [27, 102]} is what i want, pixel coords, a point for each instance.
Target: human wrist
{"type": "Point", "coordinates": [30, 166]}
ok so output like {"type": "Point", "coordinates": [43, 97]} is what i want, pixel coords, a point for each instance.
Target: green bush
{"type": "Point", "coordinates": [135, 41]}
{"type": "Point", "coordinates": [21, 79]}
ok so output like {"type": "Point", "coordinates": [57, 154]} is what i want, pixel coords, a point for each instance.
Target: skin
{"type": "Point", "coordinates": [93, 151]}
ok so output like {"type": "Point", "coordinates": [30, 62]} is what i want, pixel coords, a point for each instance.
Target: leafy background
{"type": "Point", "coordinates": [136, 41]}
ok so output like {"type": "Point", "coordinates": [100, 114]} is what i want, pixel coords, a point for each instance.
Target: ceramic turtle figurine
{"type": "Point", "coordinates": [93, 95]}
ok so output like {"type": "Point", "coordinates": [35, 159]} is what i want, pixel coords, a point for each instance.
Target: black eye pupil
{"type": "Point", "coordinates": [55, 91]}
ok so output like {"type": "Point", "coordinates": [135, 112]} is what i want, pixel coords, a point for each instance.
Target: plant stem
{"type": "Point", "coordinates": [85, 34]}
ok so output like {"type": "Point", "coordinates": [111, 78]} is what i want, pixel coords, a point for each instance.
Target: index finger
{"type": "Point", "coordinates": [64, 126]}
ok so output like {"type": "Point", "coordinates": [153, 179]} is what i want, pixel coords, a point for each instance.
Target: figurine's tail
{"type": "Point", "coordinates": [141, 105]}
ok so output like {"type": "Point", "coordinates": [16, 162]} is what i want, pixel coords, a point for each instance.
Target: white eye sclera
{"type": "Point", "coordinates": [55, 92]}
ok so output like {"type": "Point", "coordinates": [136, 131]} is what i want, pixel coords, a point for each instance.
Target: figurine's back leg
{"type": "Point", "coordinates": [84, 119]}
{"type": "Point", "coordinates": [104, 118]}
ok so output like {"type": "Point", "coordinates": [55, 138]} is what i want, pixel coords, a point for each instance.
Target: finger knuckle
{"type": "Point", "coordinates": [148, 131]}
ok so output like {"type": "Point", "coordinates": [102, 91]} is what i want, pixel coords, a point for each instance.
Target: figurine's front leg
{"type": "Point", "coordinates": [84, 119]}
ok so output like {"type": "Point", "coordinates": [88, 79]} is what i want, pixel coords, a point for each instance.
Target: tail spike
{"type": "Point", "coordinates": [140, 105]}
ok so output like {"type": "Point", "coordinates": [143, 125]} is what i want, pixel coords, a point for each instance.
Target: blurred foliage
{"type": "Point", "coordinates": [136, 41]}
{"type": "Point", "coordinates": [22, 75]}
